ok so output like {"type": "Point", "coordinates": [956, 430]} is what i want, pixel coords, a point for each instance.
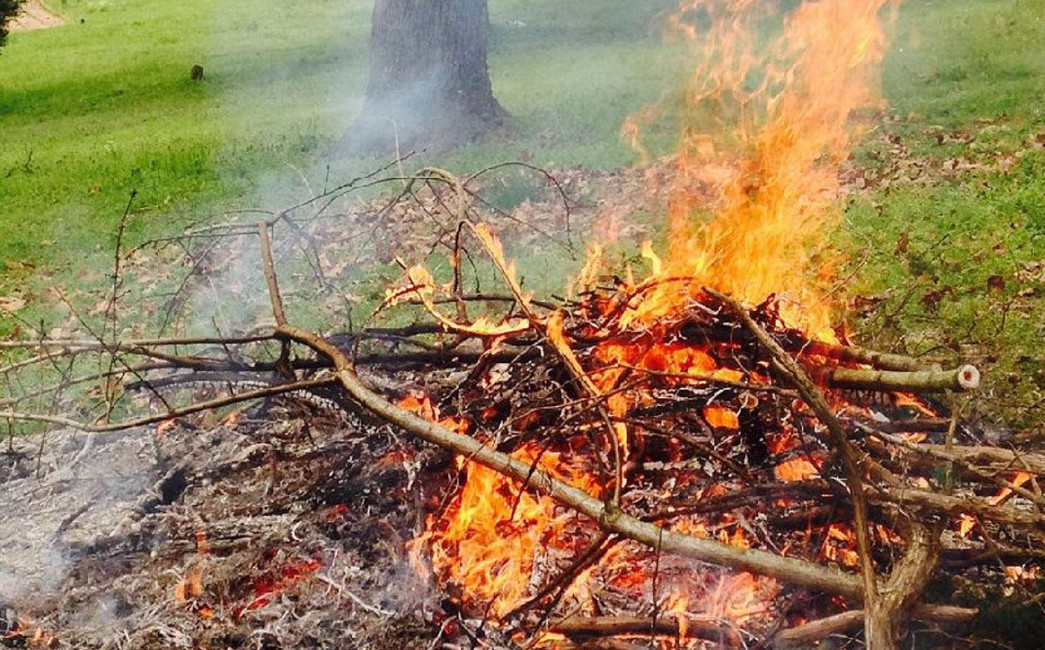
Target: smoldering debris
{"type": "Point", "coordinates": [61, 490]}
{"type": "Point", "coordinates": [277, 532]}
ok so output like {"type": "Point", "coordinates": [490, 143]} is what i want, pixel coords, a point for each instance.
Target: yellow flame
{"type": "Point", "coordinates": [765, 129]}
{"type": "Point", "coordinates": [478, 544]}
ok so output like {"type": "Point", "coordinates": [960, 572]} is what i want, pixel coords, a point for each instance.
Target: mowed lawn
{"type": "Point", "coordinates": [104, 105]}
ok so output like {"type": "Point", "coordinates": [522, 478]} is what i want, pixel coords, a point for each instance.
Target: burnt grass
{"type": "Point", "coordinates": [292, 524]}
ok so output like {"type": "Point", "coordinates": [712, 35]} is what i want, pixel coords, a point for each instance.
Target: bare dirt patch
{"type": "Point", "coordinates": [34, 15]}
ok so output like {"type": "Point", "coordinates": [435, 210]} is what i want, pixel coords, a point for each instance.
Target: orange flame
{"type": "Point", "coordinates": [1003, 495]}
{"type": "Point", "coordinates": [191, 586]}
{"type": "Point", "coordinates": [840, 545]}
{"type": "Point", "coordinates": [421, 404]}
{"type": "Point", "coordinates": [796, 469]}
{"type": "Point", "coordinates": [232, 419]}
{"type": "Point", "coordinates": [721, 418]}
{"type": "Point", "coordinates": [765, 129]}
{"type": "Point", "coordinates": [492, 535]}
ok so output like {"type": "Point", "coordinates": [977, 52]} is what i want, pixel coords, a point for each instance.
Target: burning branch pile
{"type": "Point", "coordinates": [692, 457]}
{"type": "Point", "coordinates": [714, 476]}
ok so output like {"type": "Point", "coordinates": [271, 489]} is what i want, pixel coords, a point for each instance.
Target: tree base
{"type": "Point", "coordinates": [378, 132]}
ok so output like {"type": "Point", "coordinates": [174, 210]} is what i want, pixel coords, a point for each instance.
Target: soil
{"type": "Point", "coordinates": [34, 16]}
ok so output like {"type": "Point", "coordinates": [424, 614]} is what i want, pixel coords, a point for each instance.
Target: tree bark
{"type": "Point", "coordinates": [886, 618]}
{"type": "Point", "coordinates": [921, 381]}
{"type": "Point", "coordinates": [429, 85]}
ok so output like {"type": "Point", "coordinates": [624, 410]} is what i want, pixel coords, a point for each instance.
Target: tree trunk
{"type": "Point", "coordinates": [429, 85]}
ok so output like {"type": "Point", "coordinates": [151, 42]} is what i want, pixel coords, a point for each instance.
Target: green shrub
{"type": "Point", "coordinates": [8, 8]}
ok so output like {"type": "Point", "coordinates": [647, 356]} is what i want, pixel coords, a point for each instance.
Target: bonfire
{"type": "Point", "coordinates": [684, 451]}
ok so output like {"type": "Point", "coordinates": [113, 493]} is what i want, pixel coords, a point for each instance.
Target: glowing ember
{"type": "Point", "coordinates": [273, 583]}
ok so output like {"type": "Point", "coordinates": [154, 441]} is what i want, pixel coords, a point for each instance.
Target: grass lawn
{"type": "Point", "coordinates": [956, 255]}
{"type": "Point", "coordinates": [93, 109]}
{"type": "Point", "coordinates": [104, 105]}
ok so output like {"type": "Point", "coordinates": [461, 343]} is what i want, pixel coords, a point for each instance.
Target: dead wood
{"type": "Point", "coordinates": [1009, 555]}
{"type": "Point", "coordinates": [920, 381]}
{"type": "Point", "coordinates": [873, 358]}
{"type": "Point", "coordinates": [198, 407]}
{"type": "Point", "coordinates": [687, 627]}
{"type": "Point", "coordinates": [934, 502]}
{"type": "Point", "coordinates": [610, 517]}
{"type": "Point", "coordinates": [947, 454]}
{"type": "Point", "coordinates": [885, 620]}
{"type": "Point", "coordinates": [992, 458]}
{"type": "Point", "coordinates": [818, 403]}
{"type": "Point", "coordinates": [926, 425]}
{"type": "Point", "coordinates": [808, 634]}
{"type": "Point", "coordinates": [612, 520]}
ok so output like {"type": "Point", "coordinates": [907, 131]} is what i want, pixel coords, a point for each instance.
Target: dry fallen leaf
{"type": "Point", "coordinates": [11, 303]}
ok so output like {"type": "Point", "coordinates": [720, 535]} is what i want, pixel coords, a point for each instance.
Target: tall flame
{"type": "Point", "coordinates": [765, 126]}
{"type": "Point", "coordinates": [767, 122]}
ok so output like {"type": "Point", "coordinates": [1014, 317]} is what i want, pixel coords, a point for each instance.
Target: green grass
{"type": "Point", "coordinates": [950, 257]}
{"type": "Point", "coordinates": [90, 111]}
{"type": "Point", "coordinates": [103, 105]}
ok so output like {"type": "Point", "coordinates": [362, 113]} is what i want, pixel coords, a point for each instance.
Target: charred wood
{"type": "Point", "coordinates": [667, 625]}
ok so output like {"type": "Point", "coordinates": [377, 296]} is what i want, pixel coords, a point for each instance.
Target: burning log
{"type": "Point", "coordinates": [579, 629]}
{"type": "Point", "coordinates": [920, 381]}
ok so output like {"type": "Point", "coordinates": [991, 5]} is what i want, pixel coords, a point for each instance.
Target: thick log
{"type": "Point", "coordinates": [880, 360]}
{"type": "Point", "coordinates": [578, 627]}
{"type": "Point", "coordinates": [922, 381]}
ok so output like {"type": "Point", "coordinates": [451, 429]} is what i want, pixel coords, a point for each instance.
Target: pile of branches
{"type": "Point", "coordinates": [851, 408]}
